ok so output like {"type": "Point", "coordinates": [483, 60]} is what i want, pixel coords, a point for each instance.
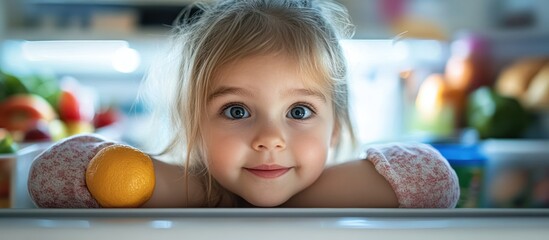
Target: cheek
{"type": "Point", "coordinates": [224, 150]}
{"type": "Point", "coordinates": [311, 150]}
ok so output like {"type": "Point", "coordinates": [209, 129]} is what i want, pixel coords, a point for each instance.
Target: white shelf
{"type": "Point", "coordinates": [270, 224]}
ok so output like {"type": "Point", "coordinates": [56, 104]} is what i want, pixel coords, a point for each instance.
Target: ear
{"type": "Point", "coordinates": [336, 133]}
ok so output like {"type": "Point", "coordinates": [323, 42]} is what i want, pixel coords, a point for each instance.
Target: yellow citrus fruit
{"type": "Point", "coordinates": [120, 176]}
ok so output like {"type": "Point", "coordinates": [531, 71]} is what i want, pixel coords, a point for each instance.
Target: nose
{"type": "Point", "coordinates": [269, 137]}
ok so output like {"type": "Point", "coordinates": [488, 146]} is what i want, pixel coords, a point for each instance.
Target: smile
{"type": "Point", "coordinates": [268, 171]}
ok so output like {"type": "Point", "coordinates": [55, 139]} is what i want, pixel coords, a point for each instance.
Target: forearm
{"type": "Point", "coordinates": [395, 175]}
{"type": "Point", "coordinates": [173, 189]}
{"type": "Point", "coordinates": [354, 184]}
{"type": "Point", "coordinates": [57, 178]}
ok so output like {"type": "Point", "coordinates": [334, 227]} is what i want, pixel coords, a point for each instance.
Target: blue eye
{"type": "Point", "coordinates": [236, 112]}
{"type": "Point", "coordinates": [299, 112]}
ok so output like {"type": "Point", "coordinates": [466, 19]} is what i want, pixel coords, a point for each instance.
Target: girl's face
{"type": "Point", "coordinates": [267, 134]}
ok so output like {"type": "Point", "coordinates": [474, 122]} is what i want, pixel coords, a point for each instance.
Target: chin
{"type": "Point", "coordinates": [266, 201]}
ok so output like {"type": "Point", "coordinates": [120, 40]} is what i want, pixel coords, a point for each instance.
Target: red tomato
{"type": "Point", "coordinates": [106, 117]}
{"type": "Point", "coordinates": [69, 107]}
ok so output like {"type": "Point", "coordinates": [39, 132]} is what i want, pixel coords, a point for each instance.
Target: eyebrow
{"type": "Point", "coordinates": [305, 92]}
{"type": "Point", "coordinates": [226, 90]}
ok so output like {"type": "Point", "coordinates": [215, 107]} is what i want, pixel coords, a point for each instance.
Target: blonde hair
{"type": "Point", "coordinates": [178, 86]}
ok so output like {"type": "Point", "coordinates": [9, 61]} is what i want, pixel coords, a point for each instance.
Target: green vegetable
{"type": "Point", "coordinates": [10, 85]}
{"type": "Point", "coordinates": [496, 116]}
{"type": "Point", "coordinates": [7, 145]}
{"type": "Point", "coordinates": [44, 85]}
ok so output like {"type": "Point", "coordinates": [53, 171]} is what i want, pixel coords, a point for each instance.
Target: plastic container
{"type": "Point", "coordinates": [518, 173]}
{"type": "Point", "coordinates": [14, 172]}
{"type": "Point", "coordinates": [7, 179]}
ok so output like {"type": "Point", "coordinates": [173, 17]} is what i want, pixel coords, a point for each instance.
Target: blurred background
{"type": "Point", "coordinates": [470, 77]}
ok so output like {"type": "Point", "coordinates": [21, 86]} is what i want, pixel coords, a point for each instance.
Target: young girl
{"type": "Point", "coordinates": [254, 108]}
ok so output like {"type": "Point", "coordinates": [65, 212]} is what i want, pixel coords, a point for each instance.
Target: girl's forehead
{"type": "Point", "coordinates": [307, 75]}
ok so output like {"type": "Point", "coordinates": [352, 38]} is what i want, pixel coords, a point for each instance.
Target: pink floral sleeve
{"type": "Point", "coordinates": [420, 176]}
{"type": "Point", "coordinates": [57, 176]}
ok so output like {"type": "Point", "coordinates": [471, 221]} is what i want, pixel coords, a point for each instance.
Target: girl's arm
{"type": "Point", "coordinates": [172, 190]}
{"type": "Point", "coordinates": [354, 184]}
{"type": "Point", "coordinates": [398, 175]}
{"type": "Point", "coordinates": [57, 177]}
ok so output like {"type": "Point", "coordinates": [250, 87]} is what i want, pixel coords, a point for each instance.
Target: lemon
{"type": "Point", "coordinates": [120, 176]}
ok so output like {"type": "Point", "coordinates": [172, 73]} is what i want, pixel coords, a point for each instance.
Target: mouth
{"type": "Point", "coordinates": [268, 171]}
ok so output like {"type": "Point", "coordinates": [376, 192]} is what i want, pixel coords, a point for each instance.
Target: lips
{"type": "Point", "coordinates": [268, 171]}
